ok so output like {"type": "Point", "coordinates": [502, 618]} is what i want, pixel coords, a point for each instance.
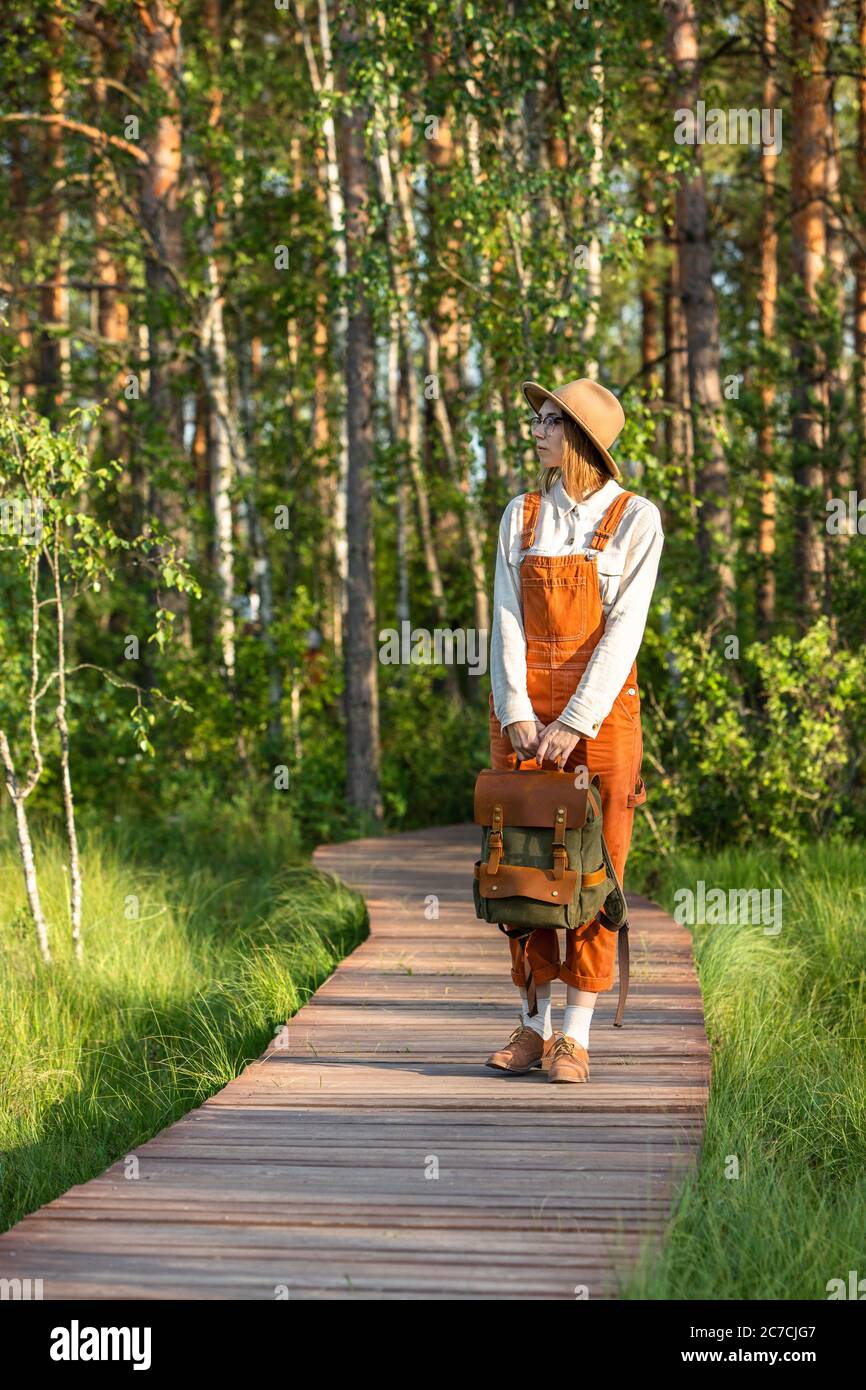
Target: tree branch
{"type": "Point", "coordinates": [90, 132]}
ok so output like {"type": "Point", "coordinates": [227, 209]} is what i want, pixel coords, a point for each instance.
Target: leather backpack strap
{"type": "Point", "coordinates": [531, 992]}
{"type": "Point", "coordinates": [494, 843]}
{"type": "Point", "coordinates": [531, 505]}
{"type": "Point", "coordinates": [522, 936]}
{"type": "Point", "coordinates": [622, 959]}
{"type": "Point", "coordinates": [622, 951]}
{"type": "Point", "coordinates": [622, 962]}
{"type": "Point", "coordinates": [560, 853]}
{"type": "Point", "coordinates": [610, 520]}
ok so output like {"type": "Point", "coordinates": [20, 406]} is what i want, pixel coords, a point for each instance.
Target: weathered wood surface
{"type": "Point", "coordinates": [370, 1154]}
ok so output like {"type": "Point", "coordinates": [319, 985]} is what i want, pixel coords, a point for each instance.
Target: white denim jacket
{"type": "Point", "coordinates": [627, 570]}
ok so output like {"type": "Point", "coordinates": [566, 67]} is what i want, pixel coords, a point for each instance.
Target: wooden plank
{"type": "Point", "coordinates": [309, 1171]}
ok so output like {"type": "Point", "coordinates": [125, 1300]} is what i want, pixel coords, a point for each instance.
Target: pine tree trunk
{"type": "Point", "coordinates": [679, 442]}
{"type": "Point", "coordinates": [767, 316]}
{"type": "Point", "coordinates": [809, 249]}
{"type": "Point", "coordinates": [702, 327]}
{"type": "Point", "coordinates": [160, 213]}
{"type": "Point", "coordinates": [836, 439]}
{"type": "Point", "coordinates": [595, 136]}
{"type": "Point", "coordinates": [54, 344]}
{"type": "Point", "coordinates": [362, 698]}
{"type": "Point", "coordinates": [18, 177]}
{"type": "Point", "coordinates": [860, 264]}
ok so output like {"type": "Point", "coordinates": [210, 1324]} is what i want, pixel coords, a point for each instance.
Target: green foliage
{"type": "Point", "coordinates": [48, 485]}
{"type": "Point", "coordinates": [762, 746]}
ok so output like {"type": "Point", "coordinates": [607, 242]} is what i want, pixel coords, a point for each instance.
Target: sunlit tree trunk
{"type": "Point", "coordinates": [323, 84]}
{"type": "Point", "coordinates": [24, 383]}
{"type": "Point", "coordinates": [767, 312]}
{"type": "Point", "coordinates": [809, 250]}
{"type": "Point", "coordinates": [75, 883]}
{"type": "Point", "coordinates": [679, 443]}
{"type": "Point", "coordinates": [702, 328]}
{"type": "Point", "coordinates": [54, 344]}
{"type": "Point", "coordinates": [362, 697]}
{"type": "Point", "coordinates": [595, 135]}
{"type": "Point", "coordinates": [20, 790]}
{"type": "Point", "coordinates": [160, 209]}
{"type": "Point", "coordinates": [860, 265]}
{"type": "Point", "coordinates": [471, 530]}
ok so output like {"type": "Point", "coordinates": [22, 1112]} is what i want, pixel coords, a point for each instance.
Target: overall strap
{"type": "Point", "coordinates": [531, 504]}
{"type": "Point", "coordinates": [610, 520]}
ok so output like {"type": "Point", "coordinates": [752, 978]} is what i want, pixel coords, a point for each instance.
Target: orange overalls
{"type": "Point", "coordinates": [563, 620]}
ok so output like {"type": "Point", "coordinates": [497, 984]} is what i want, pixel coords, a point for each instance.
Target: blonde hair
{"type": "Point", "coordinates": [583, 469]}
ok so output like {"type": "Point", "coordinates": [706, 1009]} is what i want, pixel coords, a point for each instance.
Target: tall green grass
{"type": "Point", "coordinates": [200, 940]}
{"type": "Point", "coordinates": [786, 1018]}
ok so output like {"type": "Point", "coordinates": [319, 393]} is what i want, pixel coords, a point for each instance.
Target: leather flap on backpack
{"type": "Point", "coordinates": [530, 798]}
{"type": "Point", "coordinates": [517, 881]}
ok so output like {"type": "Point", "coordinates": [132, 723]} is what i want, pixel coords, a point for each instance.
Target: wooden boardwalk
{"type": "Point", "coordinates": [370, 1154]}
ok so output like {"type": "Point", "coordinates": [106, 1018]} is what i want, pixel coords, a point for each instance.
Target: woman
{"type": "Point", "coordinates": [575, 570]}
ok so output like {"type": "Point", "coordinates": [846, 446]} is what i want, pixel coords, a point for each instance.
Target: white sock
{"type": "Point", "coordinates": [541, 1022]}
{"type": "Point", "coordinates": [578, 1016]}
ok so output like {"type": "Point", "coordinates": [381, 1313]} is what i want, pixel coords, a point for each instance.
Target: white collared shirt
{"type": "Point", "coordinates": [627, 570]}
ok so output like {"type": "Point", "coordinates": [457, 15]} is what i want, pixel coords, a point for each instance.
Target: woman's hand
{"type": "Point", "coordinates": [524, 736]}
{"type": "Point", "coordinates": [555, 743]}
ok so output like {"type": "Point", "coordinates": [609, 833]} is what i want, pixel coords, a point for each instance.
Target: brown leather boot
{"type": "Point", "coordinates": [524, 1050]}
{"type": "Point", "coordinates": [570, 1060]}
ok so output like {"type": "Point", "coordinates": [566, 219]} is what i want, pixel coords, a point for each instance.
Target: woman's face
{"type": "Point", "coordinates": [549, 445]}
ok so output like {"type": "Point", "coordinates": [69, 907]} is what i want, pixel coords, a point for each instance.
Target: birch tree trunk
{"type": "Point", "coordinates": [323, 85]}
{"type": "Point", "coordinates": [25, 849]}
{"type": "Point", "coordinates": [392, 178]}
{"type": "Point", "coordinates": [499, 466]}
{"type": "Point", "coordinates": [75, 884]}
{"type": "Point", "coordinates": [470, 523]}
{"type": "Point", "coordinates": [19, 792]}
{"type": "Point", "coordinates": [215, 372]}
{"type": "Point", "coordinates": [243, 422]}
{"type": "Point", "coordinates": [222, 471]}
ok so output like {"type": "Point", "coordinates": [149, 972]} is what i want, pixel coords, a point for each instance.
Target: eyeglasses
{"type": "Point", "coordinates": [547, 422]}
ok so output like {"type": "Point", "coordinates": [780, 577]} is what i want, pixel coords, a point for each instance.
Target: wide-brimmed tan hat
{"type": "Point", "coordinates": [593, 407]}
